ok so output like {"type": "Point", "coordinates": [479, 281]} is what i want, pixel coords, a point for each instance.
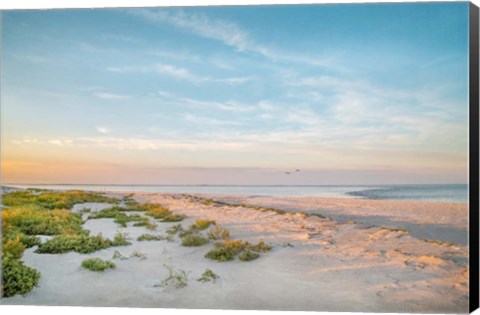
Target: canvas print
{"type": "Point", "coordinates": [300, 157]}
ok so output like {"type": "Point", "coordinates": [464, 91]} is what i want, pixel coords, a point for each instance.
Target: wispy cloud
{"type": "Point", "coordinates": [111, 96]}
{"type": "Point", "coordinates": [178, 73]}
{"type": "Point", "coordinates": [227, 33]}
{"type": "Point", "coordinates": [210, 121]}
{"type": "Point", "coordinates": [103, 130]}
{"type": "Point", "coordinates": [229, 106]}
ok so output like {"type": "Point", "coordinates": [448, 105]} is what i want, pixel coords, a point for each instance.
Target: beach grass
{"type": "Point", "coordinates": [97, 264]}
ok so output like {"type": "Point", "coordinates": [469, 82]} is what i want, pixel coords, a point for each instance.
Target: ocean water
{"type": "Point", "coordinates": [448, 193]}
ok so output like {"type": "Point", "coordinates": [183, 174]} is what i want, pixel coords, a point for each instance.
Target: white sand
{"type": "Point", "coordinates": [334, 265]}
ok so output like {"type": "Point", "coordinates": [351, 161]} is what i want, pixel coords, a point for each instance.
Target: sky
{"type": "Point", "coordinates": [348, 94]}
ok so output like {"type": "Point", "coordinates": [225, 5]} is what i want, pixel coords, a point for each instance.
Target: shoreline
{"type": "Point", "coordinates": [317, 262]}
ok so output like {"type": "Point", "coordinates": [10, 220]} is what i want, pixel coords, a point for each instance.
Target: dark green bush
{"type": "Point", "coordinates": [17, 278]}
{"type": "Point", "coordinates": [83, 244]}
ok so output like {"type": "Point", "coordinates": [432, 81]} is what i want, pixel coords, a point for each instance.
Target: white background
{"type": "Point", "coordinates": [45, 4]}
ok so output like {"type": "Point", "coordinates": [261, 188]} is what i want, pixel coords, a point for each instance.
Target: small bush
{"type": "Point", "coordinates": [248, 255]}
{"type": "Point", "coordinates": [218, 233]}
{"type": "Point", "coordinates": [260, 247]}
{"type": "Point", "coordinates": [121, 239]}
{"type": "Point", "coordinates": [17, 278]}
{"type": "Point", "coordinates": [225, 251]}
{"type": "Point", "coordinates": [150, 237]}
{"type": "Point", "coordinates": [203, 224]}
{"type": "Point", "coordinates": [194, 240]}
{"type": "Point", "coordinates": [97, 264]}
{"type": "Point", "coordinates": [228, 249]}
{"type": "Point", "coordinates": [207, 276]}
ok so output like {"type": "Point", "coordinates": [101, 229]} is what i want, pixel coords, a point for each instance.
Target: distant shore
{"type": "Point", "coordinates": [329, 254]}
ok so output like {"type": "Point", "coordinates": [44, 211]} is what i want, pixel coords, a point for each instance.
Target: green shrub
{"type": "Point", "coordinates": [120, 239]}
{"type": "Point", "coordinates": [228, 249]}
{"type": "Point", "coordinates": [207, 276]}
{"type": "Point", "coordinates": [225, 251]}
{"type": "Point", "coordinates": [119, 217]}
{"type": "Point", "coordinates": [17, 278]}
{"type": "Point", "coordinates": [13, 248]}
{"type": "Point", "coordinates": [248, 255]}
{"type": "Point", "coordinates": [203, 224]}
{"type": "Point", "coordinates": [97, 264]}
{"type": "Point", "coordinates": [34, 220]}
{"type": "Point", "coordinates": [194, 240]}
{"type": "Point", "coordinates": [218, 233]}
{"type": "Point", "coordinates": [83, 244]}
{"type": "Point", "coordinates": [12, 233]}
{"type": "Point", "coordinates": [150, 237]}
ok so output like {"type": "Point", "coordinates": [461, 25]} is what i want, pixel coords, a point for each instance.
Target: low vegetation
{"type": "Point", "coordinates": [208, 276]}
{"type": "Point", "coordinates": [82, 243]}
{"type": "Point", "coordinates": [162, 213]}
{"type": "Point", "coordinates": [17, 277]}
{"type": "Point", "coordinates": [53, 199]}
{"type": "Point", "coordinates": [248, 255]}
{"type": "Point", "coordinates": [194, 240]}
{"type": "Point", "coordinates": [175, 278]}
{"type": "Point", "coordinates": [203, 224]}
{"type": "Point", "coordinates": [97, 264]}
{"type": "Point", "coordinates": [229, 249]}
{"type": "Point", "coordinates": [218, 233]}
{"type": "Point", "coordinates": [150, 237]}
{"type": "Point", "coordinates": [117, 213]}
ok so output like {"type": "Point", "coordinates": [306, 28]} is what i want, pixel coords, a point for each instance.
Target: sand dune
{"type": "Point", "coordinates": [356, 258]}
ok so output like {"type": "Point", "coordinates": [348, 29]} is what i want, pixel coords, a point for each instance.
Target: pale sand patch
{"type": "Point", "coordinates": [315, 264]}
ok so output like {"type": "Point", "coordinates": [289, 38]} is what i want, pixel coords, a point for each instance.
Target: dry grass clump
{"type": "Point", "coordinates": [218, 233]}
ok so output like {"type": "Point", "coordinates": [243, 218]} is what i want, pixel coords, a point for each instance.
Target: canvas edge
{"type": "Point", "coordinates": [474, 159]}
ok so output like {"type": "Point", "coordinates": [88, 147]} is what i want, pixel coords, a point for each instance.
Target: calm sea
{"type": "Point", "coordinates": [450, 193]}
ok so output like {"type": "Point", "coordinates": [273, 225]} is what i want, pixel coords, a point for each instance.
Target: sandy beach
{"type": "Point", "coordinates": [328, 254]}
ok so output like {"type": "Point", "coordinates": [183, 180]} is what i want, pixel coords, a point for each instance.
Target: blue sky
{"type": "Point", "coordinates": [108, 94]}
